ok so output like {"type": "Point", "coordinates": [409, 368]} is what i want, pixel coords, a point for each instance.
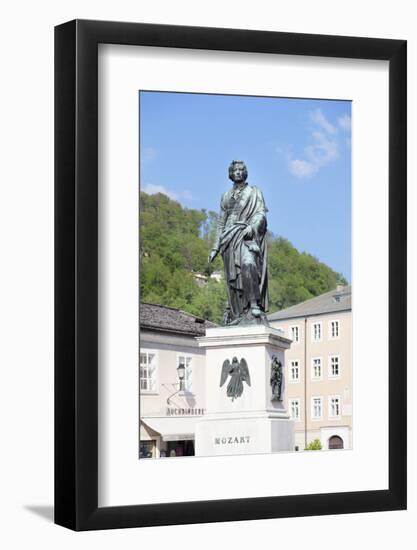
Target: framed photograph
{"type": "Point", "coordinates": [230, 255]}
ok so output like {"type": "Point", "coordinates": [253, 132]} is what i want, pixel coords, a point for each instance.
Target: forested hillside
{"type": "Point", "coordinates": [174, 244]}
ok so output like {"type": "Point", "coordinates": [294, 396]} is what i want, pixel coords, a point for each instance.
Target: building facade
{"type": "Point", "coordinates": [318, 368]}
{"type": "Point", "coordinates": [168, 412]}
{"type": "Point", "coordinates": [317, 375]}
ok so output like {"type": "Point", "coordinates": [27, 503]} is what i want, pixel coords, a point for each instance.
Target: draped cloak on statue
{"type": "Point", "coordinates": [245, 259]}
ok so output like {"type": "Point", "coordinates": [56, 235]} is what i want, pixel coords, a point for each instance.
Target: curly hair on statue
{"type": "Point", "coordinates": [241, 163]}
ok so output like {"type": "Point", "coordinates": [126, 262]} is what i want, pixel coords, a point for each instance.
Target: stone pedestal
{"type": "Point", "coordinates": [254, 422]}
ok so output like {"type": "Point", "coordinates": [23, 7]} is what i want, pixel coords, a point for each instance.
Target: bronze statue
{"type": "Point", "coordinates": [241, 240]}
{"type": "Point", "coordinates": [276, 379]}
{"type": "Point", "coordinates": [238, 372]}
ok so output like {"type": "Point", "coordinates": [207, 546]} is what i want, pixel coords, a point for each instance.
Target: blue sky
{"type": "Point", "coordinates": [298, 152]}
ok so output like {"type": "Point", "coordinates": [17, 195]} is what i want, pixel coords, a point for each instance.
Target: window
{"type": "Point", "coordinates": [147, 371]}
{"type": "Point", "coordinates": [147, 449]}
{"type": "Point", "coordinates": [316, 408]}
{"type": "Point", "coordinates": [186, 360]}
{"type": "Point", "coordinates": [334, 406]}
{"type": "Point", "coordinates": [294, 406]}
{"type": "Point", "coordinates": [334, 366]}
{"type": "Point", "coordinates": [294, 371]}
{"type": "Point", "coordinates": [334, 329]}
{"type": "Point", "coordinates": [295, 334]}
{"type": "Point", "coordinates": [316, 370]}
{"type": "Point", "coordinates": [316, 332]}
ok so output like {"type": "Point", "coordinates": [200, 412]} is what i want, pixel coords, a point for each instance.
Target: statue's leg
{"type": "Point", "coordinates": [250, 281]}
{"type": "Point", "coordinates": [233, 309]}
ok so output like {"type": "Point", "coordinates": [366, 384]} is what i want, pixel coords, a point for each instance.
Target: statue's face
{"type": "Point", "coordinates": [238, 173]}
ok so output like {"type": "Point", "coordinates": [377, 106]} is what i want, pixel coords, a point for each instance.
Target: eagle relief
{"type": "Point", "coordinates": [239, 373]}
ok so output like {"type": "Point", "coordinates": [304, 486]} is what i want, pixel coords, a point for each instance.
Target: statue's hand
{"type": "Point", "coordinates": [212, 255]}
{"type": "Point", "coordinates": [248, 232]}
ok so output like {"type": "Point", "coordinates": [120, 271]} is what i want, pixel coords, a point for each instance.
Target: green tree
{"type": "Point", "coordinates": [175, 243]}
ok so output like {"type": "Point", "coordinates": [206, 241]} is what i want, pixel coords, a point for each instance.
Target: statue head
{"type": "Point", "coordinates": [238, 171]}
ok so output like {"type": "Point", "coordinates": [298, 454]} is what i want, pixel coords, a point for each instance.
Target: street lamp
{"type": "Point", "coordinates": [181, 377]}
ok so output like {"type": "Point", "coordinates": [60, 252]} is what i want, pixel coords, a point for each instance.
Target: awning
{"type": "Point", "coordinates": [172, 429]}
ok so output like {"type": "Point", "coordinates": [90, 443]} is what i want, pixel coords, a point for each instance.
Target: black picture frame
{"type": "Point", "coordinates": [76, 272]}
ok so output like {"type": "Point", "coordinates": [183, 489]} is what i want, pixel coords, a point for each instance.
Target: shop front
{"type": "Point", "coordinates": [169, 436]}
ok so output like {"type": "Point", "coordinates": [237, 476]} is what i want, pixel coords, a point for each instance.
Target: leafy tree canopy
{"type": "Point", "coordinates": [174, 246]}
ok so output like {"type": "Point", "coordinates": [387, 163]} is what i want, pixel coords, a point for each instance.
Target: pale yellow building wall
{"type": "Point", "coordinates": [307, 387]}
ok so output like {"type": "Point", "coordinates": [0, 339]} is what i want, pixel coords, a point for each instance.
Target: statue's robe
{"type": "Point", "coordinates": [245, 259]}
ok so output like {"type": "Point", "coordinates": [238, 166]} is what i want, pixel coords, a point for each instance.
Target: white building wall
{"type": "Point", "coordinates": [168, 349]}
{"type": "Point", "coordinates": [165, 401]}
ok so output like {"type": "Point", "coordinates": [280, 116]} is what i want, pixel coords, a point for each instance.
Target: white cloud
{"type": "Point", "coordinates": [323, 148]}
{"type": "Point", "coordinates": [318, 117]}
{"type": "Point", "coordinates": [301, 168]}
{"type": "Point", "coordinates": [152, 189]}
{"type": "Point", "coordinates": [345, 122]}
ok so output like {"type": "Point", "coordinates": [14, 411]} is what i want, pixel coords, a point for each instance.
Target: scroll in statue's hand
{"type": "Point", "coordinates": [248, 232]}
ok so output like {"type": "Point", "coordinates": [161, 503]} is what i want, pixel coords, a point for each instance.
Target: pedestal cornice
{"type": "Point", "coordinates": [243, 336]}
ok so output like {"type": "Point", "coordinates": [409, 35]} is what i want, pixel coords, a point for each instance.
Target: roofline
{"type": "Point", "coordinates": [170, 331]}
{"type": "Point", "coordinates": [158, 305]}
{"type": "Point", "coordinates": [300, 316]}
{"type": "Point", "coordinates": [175, 309]}
{"type": "Point", "coordinates": [346, 290]}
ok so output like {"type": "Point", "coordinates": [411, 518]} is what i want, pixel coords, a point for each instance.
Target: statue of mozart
{"type": "Point", "coordinates": [241, 240]}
